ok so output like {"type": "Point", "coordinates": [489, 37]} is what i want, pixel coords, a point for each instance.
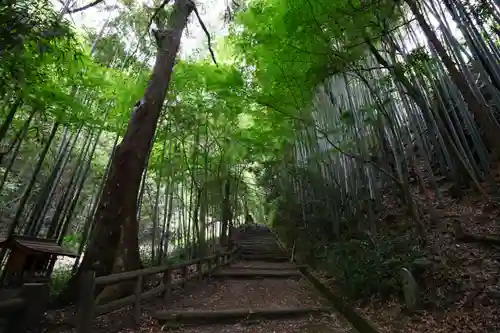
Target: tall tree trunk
{"type": "Point", "coordinates": [478, 109]}
{"type": "Point", "coordinates": [226, 213]}
{"type": "Point", "coordinates": [114, 245]}
{"type": "Point", "coordinates": [195, 241]}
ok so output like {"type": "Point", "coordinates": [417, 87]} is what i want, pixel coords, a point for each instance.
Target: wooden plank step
{"type": "Point", "coordinates": [259, 246]}
{"type": "Point", "coordinates": [258, 241]}
{"type": "Point", "coordinates": [261, 249]}
{"type": "Point", "coordinates": [256, 273]}
{"type": "Point", "coordinates": [263, 253]}
{"type": "Point", "coordinates": [250, 249]}
{"type": "Point", "coordinates": [264, 258]}
{"type": "Point", "coordinates": [276, 267]}
{"type": "Point", "coordinates": [231, 315]}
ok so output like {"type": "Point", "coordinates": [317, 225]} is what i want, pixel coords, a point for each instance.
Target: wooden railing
{"type": "Point", "coordinates": [25, 308]}
{"type": "Point", "coordinates": [11, 305]}
{"type": "Point", "coordinates": [88, 309]}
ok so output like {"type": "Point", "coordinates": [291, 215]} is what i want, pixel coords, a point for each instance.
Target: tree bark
{"type": "Point", "coordinates": [226, 214]}
{"type": "Point", "coordinates": [114, 245]}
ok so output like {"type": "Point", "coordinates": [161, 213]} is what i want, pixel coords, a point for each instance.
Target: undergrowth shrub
{"type": "Point", "coordinates": [59, 281]}
{"type": "Point", "coordinates": [362, 268]}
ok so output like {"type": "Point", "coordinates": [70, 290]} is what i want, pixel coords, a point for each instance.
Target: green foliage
{"type": "Point", "coordinates": [217, 121]}
{"type": "Point", "coordinates": [30, 33]}
{"type": "Point", "coordinates": [72, 241]}
{"type": "Point", "coordinates": [361, 265]}
{"type": "Point", "coordinates": [362, 268]}
{"type": "Point", "coordinates": [296, 44]}
{"type": "Point", "coordinates": [59, 281]}
{"type": "Point", "coordinates": [28, 21]}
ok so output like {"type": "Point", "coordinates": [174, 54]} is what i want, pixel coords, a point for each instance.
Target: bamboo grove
{"type": "Point", "coordinates": [389, 100]}
{"type": "Point", "coordinates": [313, 114]}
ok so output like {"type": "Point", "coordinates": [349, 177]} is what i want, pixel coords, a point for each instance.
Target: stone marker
{"type": "Point", "coordinates": [410, 289]}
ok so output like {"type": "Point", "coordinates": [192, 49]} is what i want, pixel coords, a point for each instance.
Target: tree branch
{"type": "Point", "coordinates": [163, 4]}
{"type": "Point", "coordinates": [206, 33]}
{"type": "Point", "coordinates": [203, 26]}
{"type": "Point", "coordinates": [92, 4]}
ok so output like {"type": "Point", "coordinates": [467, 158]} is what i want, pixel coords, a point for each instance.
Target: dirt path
{"type": "Point", "coordinates": [229, 293]}
{"type": "Point", "coordinates": [257, 294]}
{"type": "Point", "coordinates": [286, 302]}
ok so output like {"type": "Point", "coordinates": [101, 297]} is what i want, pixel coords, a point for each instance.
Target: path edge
{"type": "Point", "coordinates": [357, 321]}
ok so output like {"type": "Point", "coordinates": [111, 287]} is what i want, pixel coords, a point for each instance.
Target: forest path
{"type": "Point", "coordinates": [266, 295]}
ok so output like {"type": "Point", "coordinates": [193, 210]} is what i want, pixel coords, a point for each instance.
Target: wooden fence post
{"type": "Point", "coordinates": [167, 282]}
{"type": "Point", "coordinates": [184, 275]}
{"type": "Point", "coordinates": [199, 269]}
{"type": "Point", "coordinates": [236, 254]}
{"type": "Point", "coordinates": [35, 297]}
{"type": "Point", "coordinates": [86, 306]}
{"type": "Point", "coordinates": [137, 304]}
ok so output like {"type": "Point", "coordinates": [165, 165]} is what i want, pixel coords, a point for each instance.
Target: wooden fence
{"type": "Point", "coordinates": [88, 310]}
{"type": "Point", "coordinates": [27, 307]}
{"type": "Point", "coordinates": [9, 306]}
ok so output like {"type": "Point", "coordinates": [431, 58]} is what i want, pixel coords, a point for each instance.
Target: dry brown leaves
{"type": "Point", "coordinates": [461, 290]}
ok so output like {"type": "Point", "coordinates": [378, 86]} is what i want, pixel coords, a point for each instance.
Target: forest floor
{"type": "Point", "coordinates": [226, 294]}
{"type": "Point", "coordinates": [461, 287]}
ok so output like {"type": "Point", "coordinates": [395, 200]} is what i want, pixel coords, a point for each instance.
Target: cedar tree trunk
{"type": "Point", "coordinates": [114, 245]}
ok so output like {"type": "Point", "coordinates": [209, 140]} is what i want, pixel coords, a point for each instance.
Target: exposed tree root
{"type": "Point", "coordinates": [466, 237]}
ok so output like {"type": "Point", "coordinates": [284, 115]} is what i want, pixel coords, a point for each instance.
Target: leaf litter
{"type": "Point", "coordinates": [461, 287]}
{"type": "Point", "coordinates": [218, 294]}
